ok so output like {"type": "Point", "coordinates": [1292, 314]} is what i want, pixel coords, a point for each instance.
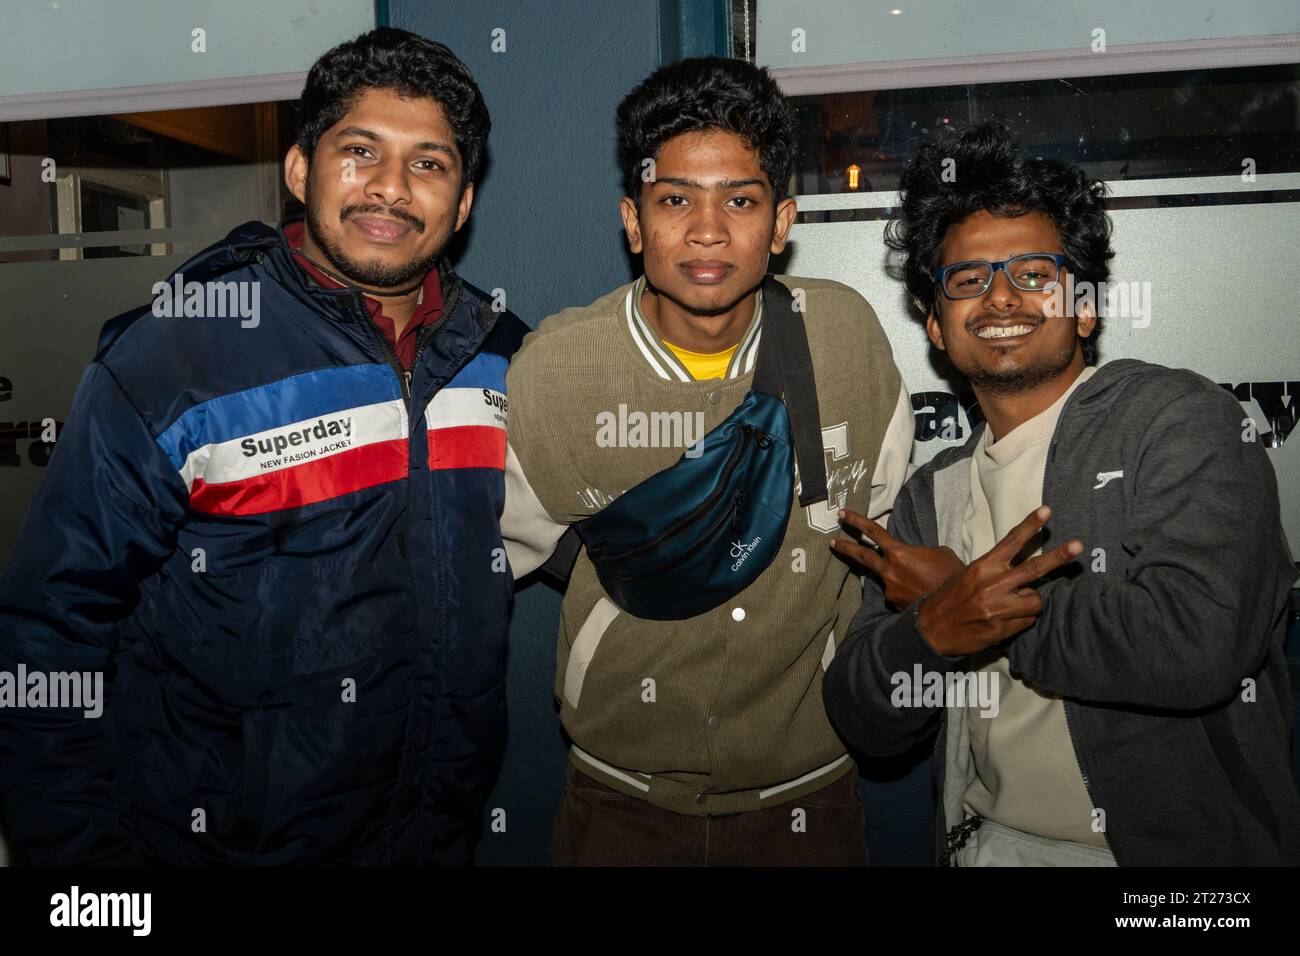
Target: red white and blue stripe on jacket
{"type": "Point", "coordinates": [329, 432]}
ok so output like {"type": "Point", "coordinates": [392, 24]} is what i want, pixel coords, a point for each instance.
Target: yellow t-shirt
{"type": "Point", "coordinates": [704, 365]}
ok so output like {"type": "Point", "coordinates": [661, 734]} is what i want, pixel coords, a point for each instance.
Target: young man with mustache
{"type": "Point", "coordinates": [701, 741]}
{"type": "Point", "coordinates": [1143, 707]}
{"type": "Point", "coordinates": [279, 538]}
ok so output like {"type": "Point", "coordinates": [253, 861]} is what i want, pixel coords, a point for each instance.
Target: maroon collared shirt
{"type": "Point", "coordinates": [428, 312]}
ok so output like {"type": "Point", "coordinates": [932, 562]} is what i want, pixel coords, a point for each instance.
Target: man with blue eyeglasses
{"type": "Point", "coordinates": [1085, 604]}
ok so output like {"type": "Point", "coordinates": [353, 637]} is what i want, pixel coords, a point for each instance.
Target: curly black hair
{"type": "Point", "coordinates": [701, 94]}
{"type": "Point", "coordinates": [991, 176]}
{"type": "Point", "coordinates": [392, 59]}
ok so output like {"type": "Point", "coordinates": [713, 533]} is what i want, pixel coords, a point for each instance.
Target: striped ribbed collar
{"type": "Point", "coordinates": [669, 366]}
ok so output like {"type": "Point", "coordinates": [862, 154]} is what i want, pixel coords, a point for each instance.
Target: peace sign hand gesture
{"type": "Point", "coordinates": [991, 600]}
{"type": "Point", "coordinates": [907, 571]}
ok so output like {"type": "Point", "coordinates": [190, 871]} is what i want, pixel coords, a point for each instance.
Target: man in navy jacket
{"type": "Point", "coordinates": [269, 530]}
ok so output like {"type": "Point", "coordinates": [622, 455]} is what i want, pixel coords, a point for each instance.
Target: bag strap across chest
{"type": "Point", "coordinates": [782, 368]}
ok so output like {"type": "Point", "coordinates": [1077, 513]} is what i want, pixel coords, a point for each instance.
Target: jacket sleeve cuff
{"type": "Point", "coordinates": [903, 647]}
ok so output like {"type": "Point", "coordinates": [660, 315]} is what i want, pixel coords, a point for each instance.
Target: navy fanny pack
{"type": "Point", "coordinates": [696, 534]}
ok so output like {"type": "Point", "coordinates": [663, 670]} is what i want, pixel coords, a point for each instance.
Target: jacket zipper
{"type": "Point", "coordinates": [404, 382]}
{"type": "Point", "coordinates": [748, 432]}
{"type": "Point", "coordinates": [403, 376]}
{"type": "Point", "coordinates": [731, 515]}
{"type": "Point", "coordinates": [421, 340]}
{"type": "Point", "coordinates": [1069, 729]}
{"type": "Point", "coordinates": [425, 334]}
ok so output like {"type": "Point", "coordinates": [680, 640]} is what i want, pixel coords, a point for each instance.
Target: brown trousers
{"type": "Point", "coordinates": [599, 826]}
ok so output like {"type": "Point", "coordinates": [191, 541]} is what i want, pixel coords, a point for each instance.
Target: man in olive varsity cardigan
{"type": "Point", "coordinates": [701, 741]}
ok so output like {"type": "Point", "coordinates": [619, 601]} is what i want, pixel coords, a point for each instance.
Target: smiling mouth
{"type": "Point", "coordinates": [1004, 331]}
{"type": "Point", "coordinates": [380, 229]}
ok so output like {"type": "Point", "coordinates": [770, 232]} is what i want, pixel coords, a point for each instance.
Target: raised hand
{"type": "Point", "coordinates": [991, 600]}
{"type": "Point", "coordinates": [907, 571]}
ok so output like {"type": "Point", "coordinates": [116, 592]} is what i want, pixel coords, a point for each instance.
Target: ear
{"type": "Point", "coordinates": [935, 331]}
{"type": "Point", "coordinates": [631, 222]}
{"type": "Point", "coordinates": [295, 172]}
{"type": "Point", "coordinates": [785, 216]}
{"type": "Point", "coordinates": [466, 201]}
{"type": "Point", "coordinates": [1086, 320]}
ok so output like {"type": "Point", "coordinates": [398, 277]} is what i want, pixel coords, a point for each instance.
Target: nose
{"type": "Point", "coordinates": [1001, 295]}
{"type": "Point", "coordinates": [389, 182]}
{"type": "Point", "coordinates": [707, 225]}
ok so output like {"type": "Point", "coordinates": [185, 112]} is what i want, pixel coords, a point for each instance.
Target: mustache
{"type": "Point", "coordinates": [349, 212]}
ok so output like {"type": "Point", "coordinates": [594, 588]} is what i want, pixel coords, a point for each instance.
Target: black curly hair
{"type": "Point", "coordinates": [408, 64]}
{"type": "Point", "coordinates": [991, 176]}
{"type": "Point", "coordinates": [707, 93]}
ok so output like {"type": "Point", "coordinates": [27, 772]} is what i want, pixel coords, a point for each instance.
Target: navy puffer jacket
{"type": "Point", "coordinates": [285, 562]}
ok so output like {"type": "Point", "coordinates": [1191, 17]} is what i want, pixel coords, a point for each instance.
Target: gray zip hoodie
{"type": "Point", "coordinates": [1167, 651]}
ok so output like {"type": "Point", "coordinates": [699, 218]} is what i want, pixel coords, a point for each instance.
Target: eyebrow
{"type": "Point", "coordinates": [696, 184]}
{"type": "Point", "coordinates": [376, 138]}
{"type": "Point", "coordinates": [1017, 255]}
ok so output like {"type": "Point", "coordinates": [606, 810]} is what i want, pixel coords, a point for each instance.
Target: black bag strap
{"type": "Point", "coordinates": [784, 368]}
{"type": "Point", "coordinates": [560, 564]}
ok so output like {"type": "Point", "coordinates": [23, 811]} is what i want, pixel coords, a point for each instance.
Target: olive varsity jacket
{"type": "Point", "coordinates": [721, 712]}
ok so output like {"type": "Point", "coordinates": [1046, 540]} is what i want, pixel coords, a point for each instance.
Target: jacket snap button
{"type": "Point", "coordinates": [699, 798]}
{"type": "Point", "coordinates": [715, 721]}
{"type": "Point", "coordinates": [715, 397]}
{"type": "Point", "coordinates": [737, 613]}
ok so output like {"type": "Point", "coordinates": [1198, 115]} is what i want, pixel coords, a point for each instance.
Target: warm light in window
{"type": "Point", "coordinates": [853, 175]}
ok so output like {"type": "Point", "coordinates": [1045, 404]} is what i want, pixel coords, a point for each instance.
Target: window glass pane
{"type": "Point", "coordinates": [168, 182]}
{"type": "Point", "coordinates": [93, 212]}
{"type": "Point", "coordinates": [1149, 126]}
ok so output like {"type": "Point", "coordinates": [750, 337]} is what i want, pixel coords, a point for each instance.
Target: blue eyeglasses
{"type": "Point", "coordinates": [1032, 272]}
